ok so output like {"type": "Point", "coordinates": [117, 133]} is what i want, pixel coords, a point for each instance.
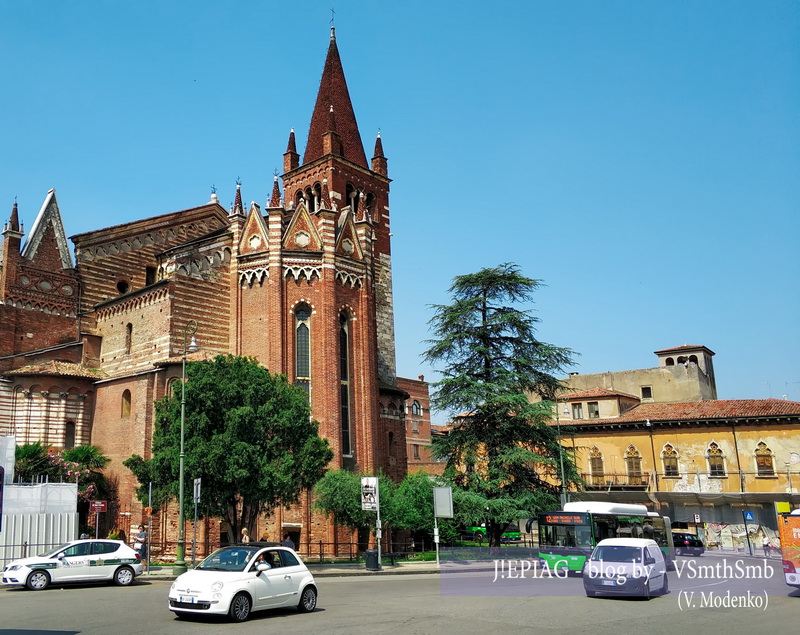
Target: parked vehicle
{"type": "Point", "coordinates": [687, 544]}
{"type": "Point", "coordinates": [789, 532]}
{"type": "Point", "coordinates": [76, 561]}
{"type": "Point", "coordinates": [239, 579]}
{"type": "Point", "coordinates": [626, 566]}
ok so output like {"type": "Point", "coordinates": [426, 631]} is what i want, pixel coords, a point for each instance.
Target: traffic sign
{"type": "Point", "coordinates": [749, 516]}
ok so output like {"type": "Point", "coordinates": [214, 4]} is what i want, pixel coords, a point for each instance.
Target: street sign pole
{"type": "Point", "coordinates": [197, 482]}
{"type": "Point", "coordinates": [370, 501]}
{"type": "Point", "coordinates": [747, 516]}
{"type": "Point", "coordinates": [442, 508]}
{"type": "Point", "coordinates": [149, 521]}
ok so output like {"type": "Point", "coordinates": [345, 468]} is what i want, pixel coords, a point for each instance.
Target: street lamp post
{"type": "Point", "coordinates": [180, 562]}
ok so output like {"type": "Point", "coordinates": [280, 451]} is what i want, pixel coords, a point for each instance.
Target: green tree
{"type": "Point", "coordinates": [338, 494]}
{"type": "Point", "coordinates": [501, 450]}
{"type": "Point", "coordinates": [248, 435]}
{"type": "Point", "coordinates": [413, 504]}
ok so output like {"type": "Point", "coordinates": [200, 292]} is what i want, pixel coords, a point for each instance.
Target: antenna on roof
{"type": "Point", "coordinates": [333, 17]}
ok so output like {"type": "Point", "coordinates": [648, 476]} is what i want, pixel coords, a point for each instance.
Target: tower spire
{"type": "Point", "coordinates": [275, 199]}
{"type": "Point", "coordinates": [333, 93]}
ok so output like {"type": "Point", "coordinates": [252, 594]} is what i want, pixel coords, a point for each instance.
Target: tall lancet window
{"type": "Point", "coordinates": [302, 347]}
{"type": "Point", "coordinates": [344, 383]}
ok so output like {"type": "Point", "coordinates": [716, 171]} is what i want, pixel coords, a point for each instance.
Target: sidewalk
{"type": "Point", "coordinates": [342, 570]}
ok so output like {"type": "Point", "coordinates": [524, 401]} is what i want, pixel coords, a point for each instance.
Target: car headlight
{"type": "Point", "coordinates": [14, 567]}
{"type": "Point", "coordinates": [217, 586]}
{"type": "Point", "coordinates": [172, 588]}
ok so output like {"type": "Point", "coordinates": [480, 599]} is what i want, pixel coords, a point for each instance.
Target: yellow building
{"type": "Point", "coordinates": [701, 463]}
{"type": "Point", "coordinates": [704, 462]}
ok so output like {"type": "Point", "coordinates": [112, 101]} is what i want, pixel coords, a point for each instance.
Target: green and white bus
{"type": "Point", "coordinates": [567, 537]}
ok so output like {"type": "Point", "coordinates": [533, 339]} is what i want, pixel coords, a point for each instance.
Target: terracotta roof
{"type": "Point", "coordinates": [596, 392]}
{"type": "Point", "coordinates": [333, 93]}
{"type": "Point", "coordinates": [692, 411]}
{"type": "Point", "coordinates": [685, 347]}
{"type": "Point", "coordinates": [64, 369]}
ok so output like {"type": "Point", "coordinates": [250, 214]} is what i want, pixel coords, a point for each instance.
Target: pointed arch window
{"type": "Point", "coordinates": [669, 459]}
{"type": "Point", "coordinates": [302, 347]}
{"type": "Point", "coordinates": [126, 404]}
{"type": "Point", "coordinates": [69, 435]}
{"type": "Point", "coordinates": [596, 466]}
{"type": "Point", "coordinates": [633, 465]}
{"type": "Point", "coordinates": [344, 383]}
{"type": "Point", "coordinates": [128, 337]}
{"type": "Point", "coordinates": [716, 460]}
{"type": "Point", "coordinates": [765, 463]}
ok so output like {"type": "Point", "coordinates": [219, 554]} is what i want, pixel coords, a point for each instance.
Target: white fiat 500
{"type": "Point", "coordinates": [239, 579]}
{"type": "Point", "coordinates": [76, 561]}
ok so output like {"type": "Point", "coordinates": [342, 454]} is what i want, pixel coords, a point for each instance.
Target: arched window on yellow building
{"type": "Point", "coordinates": [669, 459]}
{"type": "Point", "coordinates": [716, 460]}
{"type": "Point", "coordinates": [633, 465]}
{"type": "Point", "coordinates": [765, 464]}
{"type": "Point", "coordinates": [596, 466]}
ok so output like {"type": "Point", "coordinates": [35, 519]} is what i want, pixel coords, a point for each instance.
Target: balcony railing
{"type": "Point", "coordinates": [697, 481]}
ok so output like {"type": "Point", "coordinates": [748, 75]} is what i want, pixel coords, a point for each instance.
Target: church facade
{"type": "Point", "coordinates": [303, 284]}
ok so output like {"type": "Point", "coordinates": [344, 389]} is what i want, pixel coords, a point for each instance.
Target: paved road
{"type": "Point", "coordinates": [469, 603]}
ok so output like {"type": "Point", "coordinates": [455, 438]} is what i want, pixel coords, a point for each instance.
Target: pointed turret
{"type": "Point", "coordinates": [291, 159]}
{"type": "Point", "coordinates": [325, 202]}
{"type": "Point", "coordinates": [238, 207]}
{"type": "Point", "coordinates": [333, 94]}
{"type": "Point", "coordinates": [13, 223]}
{"type": "Point", "coordinates": [275, 199]}
{"type": "Point", "coordinates": [379, 163]}
{"type": "Point", "coordinates": [331, 141]}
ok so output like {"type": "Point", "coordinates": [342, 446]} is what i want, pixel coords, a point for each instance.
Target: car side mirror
{"type": "Point", "coordinates": [263, 566]}
{"type": "Point", "coordinates": [649, 560]}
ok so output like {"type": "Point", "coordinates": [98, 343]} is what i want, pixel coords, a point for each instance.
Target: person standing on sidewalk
{"type": "Point", "coordinates": [140, 544]}
{"type": "Point", "coordinates": [765, 544]}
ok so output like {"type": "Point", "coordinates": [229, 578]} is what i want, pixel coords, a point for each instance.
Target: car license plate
{"type": "Point", "coordinates": [187, 599]}
{"type": "Point", "coordinates": [609, 583]}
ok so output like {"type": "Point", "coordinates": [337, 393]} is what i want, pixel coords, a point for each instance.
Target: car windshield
{"type": "Point", "coordinates": [51, 552]}
{"type": "Point", "coordinates": [228, 559]}
{"type": "Point", "coordinates": [617, 553]}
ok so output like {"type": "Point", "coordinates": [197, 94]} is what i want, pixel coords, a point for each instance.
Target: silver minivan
{"type": "Point", "coordinates": [626, 566]}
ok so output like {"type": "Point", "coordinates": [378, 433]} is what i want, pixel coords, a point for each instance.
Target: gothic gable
{"type": "Point", "coordinates": [254, 237]}
{"type": "Point", "coordinates": [301, 234]}
{"type": "Point", "coordinates": [47, 246]}
{"type": "Point", "coordinates": [347, 243]}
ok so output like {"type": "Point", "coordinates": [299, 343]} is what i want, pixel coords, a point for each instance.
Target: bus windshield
{"type": "Point", "coordinates": [565, 536]}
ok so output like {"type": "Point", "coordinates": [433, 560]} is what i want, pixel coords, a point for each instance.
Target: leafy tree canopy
{"type": "Point", "coordinates": [338, 493]}
{"type": "Point", "coordinates": [501, 450]}
{"type": "Point", "coordinates": [81, 464]}
{"type": "Point", "coordinates": [248, 435]}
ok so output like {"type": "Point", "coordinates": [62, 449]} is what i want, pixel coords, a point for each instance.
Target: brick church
{"type": "Point", "coordinates": [303, 284]}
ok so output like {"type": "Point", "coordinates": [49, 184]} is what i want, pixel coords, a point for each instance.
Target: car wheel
{"type": "Point", "coordinates": [665, 588]}
{"type": "Point", "coordinates": [124, 576]}
{"type": "Point", "coordinates": [240, 607]}
{"type": "Point", "coordinates": [38, 580]}
{"type": "Point", "coordinates": [308, 600]}
{"type": "Point", "coordinates": [647, 593]}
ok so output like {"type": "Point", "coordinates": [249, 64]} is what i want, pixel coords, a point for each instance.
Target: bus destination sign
{"type": "Point", "coordinates": [566, 518]}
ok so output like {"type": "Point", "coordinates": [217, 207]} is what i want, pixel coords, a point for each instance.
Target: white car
{"type": "Point", "coordinates": [76, 561]}
{"type": "Point", "coordinates": [626, 566]}
{"type": "Point", "coordinates": [239, 579]}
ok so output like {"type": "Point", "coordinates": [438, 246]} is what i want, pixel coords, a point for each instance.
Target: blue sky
{"type": "Point", "coordinates": [641, 158]}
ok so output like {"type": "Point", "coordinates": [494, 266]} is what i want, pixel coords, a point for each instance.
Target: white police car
{"type": "Point", "coordinates": [76, 561]}
{"type": "Point", "coordinates": [239, 579]}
